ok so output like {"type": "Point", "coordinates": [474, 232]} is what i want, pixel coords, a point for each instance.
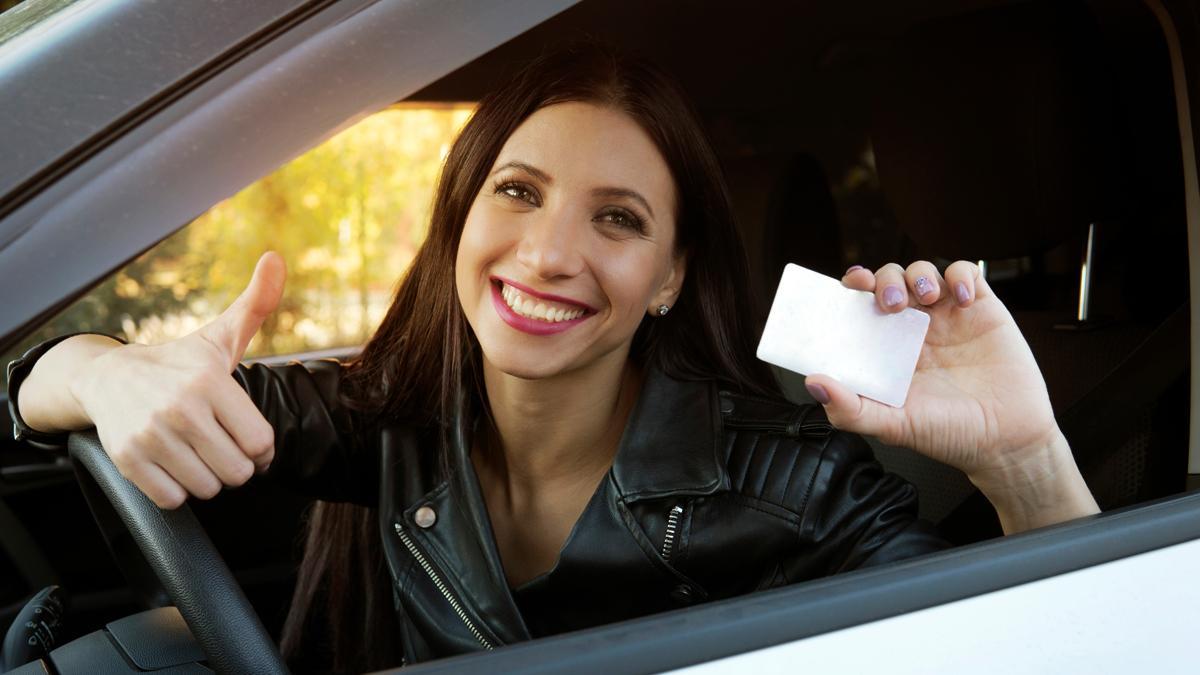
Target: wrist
{"type": "Point", "coordinates": [88, 361]}
{"type": "Point", "coordinates": [1040, 486]}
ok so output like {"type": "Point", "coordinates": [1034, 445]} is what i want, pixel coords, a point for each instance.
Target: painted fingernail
{"type": "Point", "coordinates": [960, 292]}
{"type": "Point", "coordinates": [853, 268]}
{"type": "Point", "coordinates": [892, 296]}
{"type": "Point", "coordinates": [818, 392]}
{"type": "Point", "coordinates": [923, 286]}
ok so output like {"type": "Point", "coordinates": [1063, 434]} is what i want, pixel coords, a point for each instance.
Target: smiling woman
{"type": "Point", "coordinates": [530, 443]}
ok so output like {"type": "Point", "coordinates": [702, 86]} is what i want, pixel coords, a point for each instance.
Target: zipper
{"type": "Point", "coordinates": [790, 429]}
{"type": "Point", "coordinates": [441, 586]}
{"type": "Point", "coordinates": [668, 546]}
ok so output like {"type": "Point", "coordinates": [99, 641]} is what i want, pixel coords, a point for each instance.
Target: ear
{"type": "Point", "coordinates": [668, 293]}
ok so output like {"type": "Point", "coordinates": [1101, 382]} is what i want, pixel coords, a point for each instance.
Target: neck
{"type": "Point", "coordinates": [561, 431]}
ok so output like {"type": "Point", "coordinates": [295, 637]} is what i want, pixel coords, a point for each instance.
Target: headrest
{"type": "Point", "coordinates": [993, 131]}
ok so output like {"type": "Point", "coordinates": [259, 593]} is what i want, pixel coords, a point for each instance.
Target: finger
{"type": "Point", "coordinates": [220, 453]}
{"type": "Point", "coordinates": [859, 278]}
{"type": "Point", "coordinates": [891, 289]}
{"type": "Point", "coordinates": [242, 421]}
{"type": "Point", "coordinates": [157, 484]}
{"type": "Point", "coordinates": [924, 282]}
{"type": "Point", "coordinates": [179, 459]}
{"type": "Point", "coordinates": [237, 325]}
{"type": "Point", "coordinates": [964, 282]}
{"type": "Point", "coordinates": [850, 412]}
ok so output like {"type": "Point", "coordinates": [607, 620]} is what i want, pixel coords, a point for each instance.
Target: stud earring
{"type": "Point", "coordinates": [663, 309]}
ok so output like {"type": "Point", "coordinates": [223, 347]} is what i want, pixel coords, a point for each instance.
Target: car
{"type": "Point", "coordinates": [1052, 141]}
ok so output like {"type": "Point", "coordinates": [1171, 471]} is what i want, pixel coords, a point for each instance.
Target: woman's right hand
{"type": "Point", "coordinates": [170, 416]}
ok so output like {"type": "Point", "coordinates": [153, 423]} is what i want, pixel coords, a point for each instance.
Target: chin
{"type": "Point", "coordinates": [526, 366]}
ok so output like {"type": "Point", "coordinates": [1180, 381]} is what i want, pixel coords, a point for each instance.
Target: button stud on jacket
{"type": "Point", "coordinates": [425, 517]}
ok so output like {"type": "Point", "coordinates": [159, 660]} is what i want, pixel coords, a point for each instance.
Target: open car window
{"type": "Point", "coordinates": [792, 100]}
{"type": "Point", "coordinates": [351, 213]}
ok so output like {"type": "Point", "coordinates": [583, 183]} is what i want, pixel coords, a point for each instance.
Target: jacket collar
{"type": "Point", "coordinates": [671, 443]}
{"type": "Point", "coordinates": [670, 446]}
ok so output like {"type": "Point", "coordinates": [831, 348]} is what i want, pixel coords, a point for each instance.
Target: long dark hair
{"type": "Point", "coordinates": [424, 359]}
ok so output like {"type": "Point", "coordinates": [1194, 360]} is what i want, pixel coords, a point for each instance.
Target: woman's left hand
{"type": "Point", "coordinates": [977, 400]}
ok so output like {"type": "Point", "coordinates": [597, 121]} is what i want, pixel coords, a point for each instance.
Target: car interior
{"type": "Point", "coordinates": [1040, 139]}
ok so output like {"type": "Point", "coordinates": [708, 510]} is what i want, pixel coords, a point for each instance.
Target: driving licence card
{"type": "Point", "coordinates": [817, 325]}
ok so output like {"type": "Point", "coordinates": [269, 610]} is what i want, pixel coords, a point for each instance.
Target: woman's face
{"type": "Point", "coordinates": [570, 243]}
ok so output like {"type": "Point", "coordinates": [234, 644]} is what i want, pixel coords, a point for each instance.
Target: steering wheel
{"type": "Point", "coordinates": [181, 556]}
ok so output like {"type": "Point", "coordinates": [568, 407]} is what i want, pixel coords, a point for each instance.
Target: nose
{"type": "Point", "coordinates": [550, 245]}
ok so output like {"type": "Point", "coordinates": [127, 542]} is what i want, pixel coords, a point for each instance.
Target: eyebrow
{"type": "Point", "coordinates": [527, 168]}
{"type": "Point", "coordinates": [599, 192]}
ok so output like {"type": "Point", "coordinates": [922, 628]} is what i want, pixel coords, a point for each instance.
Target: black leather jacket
{"type": "Point", "coordinates": [711, 495]}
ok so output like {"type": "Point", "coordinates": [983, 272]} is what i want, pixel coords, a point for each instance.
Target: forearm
{"type": "Point", "coordinates": [1043, 489]}
{"type": "Point", "coordinates": [46, 401]}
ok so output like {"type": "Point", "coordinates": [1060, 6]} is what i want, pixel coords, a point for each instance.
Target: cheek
{"type": "Point", "coordinates": [470, 256]}
{"type": "Point", "coordinates": [632, 281]}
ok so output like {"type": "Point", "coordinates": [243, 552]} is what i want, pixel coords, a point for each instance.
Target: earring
{"type": "Point", "coordinates": [663, 309]}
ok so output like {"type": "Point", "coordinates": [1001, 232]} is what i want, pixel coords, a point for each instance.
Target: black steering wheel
{"type": "Point", "coordinates": [175, 548]}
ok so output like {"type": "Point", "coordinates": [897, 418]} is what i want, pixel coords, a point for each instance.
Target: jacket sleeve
{"type": "Point", "coordinates": [322, 447]}
{"type": "Point", "coordinates": [18, 370]}
{"type": "Point", "coordinates": [858, 515]}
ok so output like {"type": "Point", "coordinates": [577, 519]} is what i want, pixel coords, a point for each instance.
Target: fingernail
{"type": "Point", "coordinates": [960, 292]}
{"type": "Point", "coordinates": [892, 296]}
{"type": "Point", "coordinates": [818, 392]}
{"type": "Point", "coordinates": [923, 286]}
{"type": "Point", "coordinates": [853, 268]}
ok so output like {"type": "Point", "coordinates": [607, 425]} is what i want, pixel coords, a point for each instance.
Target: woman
{"type": "Point", "coordinates": [560, 421]}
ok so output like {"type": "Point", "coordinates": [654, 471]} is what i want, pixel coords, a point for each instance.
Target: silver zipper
{"type": "Point", "coordinates": [668, 546]}
{"type": "Point", "coordinates": [441, 586]}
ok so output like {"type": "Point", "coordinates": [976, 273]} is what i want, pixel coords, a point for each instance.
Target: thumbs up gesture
{"type": "Point", "coordinates": [170, 416]}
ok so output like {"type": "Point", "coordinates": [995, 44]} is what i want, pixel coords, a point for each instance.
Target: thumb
{"type": "Point", "coordinates": [237, 325]}
{"type": "Point", "coordinates": [848, 411]}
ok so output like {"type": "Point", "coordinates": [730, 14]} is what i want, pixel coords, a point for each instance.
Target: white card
{"type": "Point", "coordinates": [817, 325]}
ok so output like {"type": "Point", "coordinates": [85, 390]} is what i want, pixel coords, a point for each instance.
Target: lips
{"type": "Point", "coordinates": [536, 313]}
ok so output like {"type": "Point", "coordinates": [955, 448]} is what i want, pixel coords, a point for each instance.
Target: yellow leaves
{"type": "Point", "coordinates": [348, 216]}
{"type": "Point", "coordinates": [127, 287]}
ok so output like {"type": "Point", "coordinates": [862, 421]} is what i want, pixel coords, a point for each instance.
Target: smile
{"type": "Point", "coordinates": [534, 308]}
{"type": "Point", "coordinates": [535, 313]}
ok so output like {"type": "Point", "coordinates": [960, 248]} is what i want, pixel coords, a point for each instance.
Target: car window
{"type": "Point", "coordinates": [348, 216]}
{"type": "Point", "coordinates": [20, 16]}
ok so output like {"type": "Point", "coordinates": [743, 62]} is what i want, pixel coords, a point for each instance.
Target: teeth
{"type": "Point", "coordinates": [530, 308]}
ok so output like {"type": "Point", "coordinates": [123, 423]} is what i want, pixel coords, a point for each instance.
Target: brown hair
{"type": "Point", "coordinates": [424, 356]}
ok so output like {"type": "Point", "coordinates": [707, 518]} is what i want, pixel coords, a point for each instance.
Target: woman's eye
{"type": "Point", "coordinates": [518, 192]}
{"type": "Point", "coordinates": [622, 219]}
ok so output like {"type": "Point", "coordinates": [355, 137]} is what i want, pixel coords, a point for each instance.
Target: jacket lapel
{"type": "Point", "coordinates": [671, 445]}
